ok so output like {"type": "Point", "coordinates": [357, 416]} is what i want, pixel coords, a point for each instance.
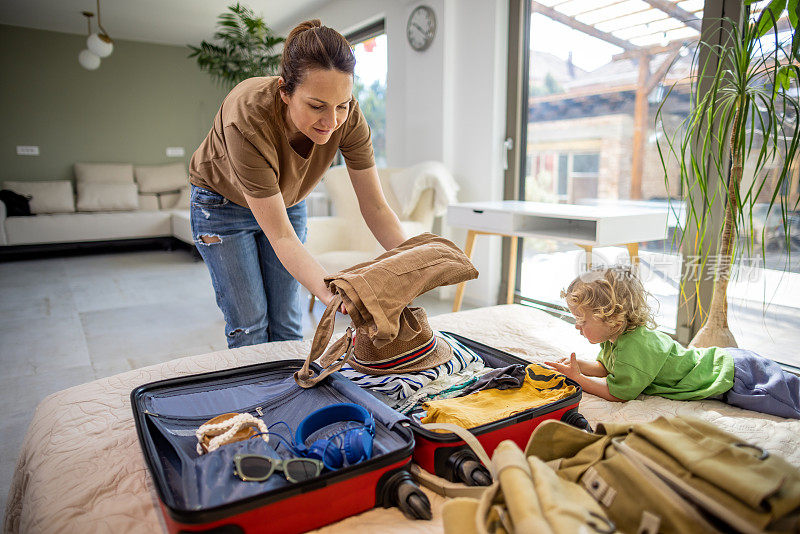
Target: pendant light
{"type": "Point", "coordinates": [88, 59]}
{"type": "Point", "coordinates": [99, 42]}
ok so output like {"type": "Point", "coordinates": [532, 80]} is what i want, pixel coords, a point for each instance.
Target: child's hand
{"type": "Point", "coordinates": [568, 367]}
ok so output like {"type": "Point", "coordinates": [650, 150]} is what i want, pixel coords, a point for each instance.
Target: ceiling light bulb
{"type": "Point", "coordinates": [100, 44]}
{"type": "Point", "coordinates": [88, 60]}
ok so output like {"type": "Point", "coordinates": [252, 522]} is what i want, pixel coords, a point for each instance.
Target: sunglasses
{"type": "Point", "coordinates": [257, 468]}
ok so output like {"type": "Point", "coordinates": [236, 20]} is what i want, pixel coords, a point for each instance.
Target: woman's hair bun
{"type": "Point", "coordinates": [310, 45]}
{"type": "Point", "coordinates": [300, 28]}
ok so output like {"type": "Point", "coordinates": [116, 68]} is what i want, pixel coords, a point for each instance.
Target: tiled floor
{"type": "Point", "coordinates": [66, 321]}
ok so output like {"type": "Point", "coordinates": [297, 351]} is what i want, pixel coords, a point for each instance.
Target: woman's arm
{"type": "Point", "coordinates": [270, 212]}
{"type": "Point", "coordinates": [381, 220]}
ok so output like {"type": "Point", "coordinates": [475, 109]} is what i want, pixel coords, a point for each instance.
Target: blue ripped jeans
{"type": "Point", "coordinates": [258, 297]}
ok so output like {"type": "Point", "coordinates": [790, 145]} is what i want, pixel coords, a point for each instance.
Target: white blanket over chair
{"type": "Point", "coordinates": [410, 183]}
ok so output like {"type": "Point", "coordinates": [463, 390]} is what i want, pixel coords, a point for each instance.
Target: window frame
{"type": "Point", "coordinates": [373, 29]}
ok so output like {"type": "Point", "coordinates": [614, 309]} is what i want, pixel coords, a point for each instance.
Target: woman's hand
{"type": "Point", "coordinates": [327, 298]}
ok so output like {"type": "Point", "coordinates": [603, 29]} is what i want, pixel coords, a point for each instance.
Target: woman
{"type": "Point", "coordinates": [272, 140]}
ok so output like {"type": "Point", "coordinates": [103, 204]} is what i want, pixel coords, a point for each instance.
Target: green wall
{"type": "Point", "coordinates": [142, 99]}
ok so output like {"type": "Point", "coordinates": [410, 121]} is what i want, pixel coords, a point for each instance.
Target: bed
{"type": "Point", "coordinates": [81, 468]}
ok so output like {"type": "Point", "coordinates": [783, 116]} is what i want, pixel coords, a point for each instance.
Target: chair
{"type": "Point", "coordinates": [344, 240]}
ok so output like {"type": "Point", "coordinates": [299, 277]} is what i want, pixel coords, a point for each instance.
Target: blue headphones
{"type": "Point", "coordinates": [356, 443]}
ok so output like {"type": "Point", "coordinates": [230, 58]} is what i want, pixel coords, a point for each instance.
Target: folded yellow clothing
{"type": "Point", "coordinates": [542, 386]}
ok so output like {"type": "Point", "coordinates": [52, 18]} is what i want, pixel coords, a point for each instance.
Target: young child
{"type": "Point", "coordinates": [610, 308]}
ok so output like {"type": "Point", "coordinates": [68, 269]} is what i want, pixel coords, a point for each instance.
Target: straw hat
{"type": "Point", "coordinates": [416, 348]}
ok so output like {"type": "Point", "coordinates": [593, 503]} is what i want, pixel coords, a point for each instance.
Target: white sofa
{"type": "Point", "coordinates": [122, 202]}
{"type": "Point", "coordinates": [114, 202]}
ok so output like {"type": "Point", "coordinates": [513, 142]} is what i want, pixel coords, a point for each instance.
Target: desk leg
{"type": "Point", "coordinates": [512, 271]}
{"type": "Point", "coordinates": [633, 252]}
{"type": "Point", "coordinates": [470, 245]}
{"type": "Point", "coordinates": [588, 249]}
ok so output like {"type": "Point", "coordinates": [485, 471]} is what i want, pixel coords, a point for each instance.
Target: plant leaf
{"type": "Point", "coordinates": [768, 19]}
{"type": "Point", "coordinates": [246, 48]}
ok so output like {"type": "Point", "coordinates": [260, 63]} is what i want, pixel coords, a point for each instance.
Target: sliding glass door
{"type": "Point", "coordinates": [597, 72]}
{"type": "Point", "coordinates": [607, 82]}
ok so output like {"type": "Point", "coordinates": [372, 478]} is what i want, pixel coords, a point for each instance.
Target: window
{"type": "Point", "coordinates": [369, 87]}
{"type": "Point", "coordinates": [563, 176]}
{"type": "Point", "coordinates": [595, 71]}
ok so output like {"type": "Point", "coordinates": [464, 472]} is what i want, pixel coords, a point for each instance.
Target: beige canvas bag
{"type": "Point", "coordinates": [674, 475]}
{"type": "Point", "coordinates": [527, 496]}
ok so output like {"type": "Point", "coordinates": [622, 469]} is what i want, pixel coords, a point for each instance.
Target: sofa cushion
{"type": "Point", "coordinates": [148, 202]}
{"type": "Point", "coordinates": [161, 178]}
{"type": "Point", "coordinates": [182, 203]}
{"type": "Point", "coordinates": [168, 200]}
{"type": "Point", "coordinates": [118, 173]}
{"type": "Point", "coordinates": [76, 227]}
{"type": "Point", "coordinates": [107, 197]}
{"type": "Point", "coordinates": [46, 197]}
{"type": "Point", "coordinates": [181, 226]}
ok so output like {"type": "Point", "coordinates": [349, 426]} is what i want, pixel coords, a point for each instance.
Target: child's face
{"type": "Point", "coordinates": [594, 330]}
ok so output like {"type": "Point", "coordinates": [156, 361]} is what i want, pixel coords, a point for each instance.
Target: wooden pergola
{"type": "Point", "coordinates": [642, 29]}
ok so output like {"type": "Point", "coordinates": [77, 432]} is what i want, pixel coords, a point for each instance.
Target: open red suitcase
{"type": "Point", "coordinates": [444, 454]}
{"type": "Point", "coordinates": [200, 494]}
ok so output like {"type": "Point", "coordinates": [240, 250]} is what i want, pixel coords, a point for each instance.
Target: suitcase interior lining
{"type": "Point", "coordinates": [194, 482]}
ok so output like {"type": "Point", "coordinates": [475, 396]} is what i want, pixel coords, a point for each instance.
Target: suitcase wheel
{"type": "Point", "coordinates": [399, 489]}
{"type": "Point", "coordinates": [463, 466]}
{"type": "Point", "coordinates": [574, 418]}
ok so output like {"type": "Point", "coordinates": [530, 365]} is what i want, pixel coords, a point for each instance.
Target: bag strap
{"type": "Point", "coordinates": [342, 348]}
{"type": "Point", "coordinates": [469, 438]}
{"type": "Point", "coordinates": [443, 486]}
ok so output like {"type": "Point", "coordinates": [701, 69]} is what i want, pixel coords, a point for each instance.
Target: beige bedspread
{"type": "Point", "coordinates": [81, 468]}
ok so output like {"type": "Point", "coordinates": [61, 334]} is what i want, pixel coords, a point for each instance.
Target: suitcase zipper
{"type": "Point", "coordinates": [258, 409]}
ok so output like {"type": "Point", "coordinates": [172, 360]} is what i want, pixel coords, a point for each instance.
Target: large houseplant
{"type": "Point", "coordinates": [245, 48]}
{"type": "Point", "coordinates": [743, 124]}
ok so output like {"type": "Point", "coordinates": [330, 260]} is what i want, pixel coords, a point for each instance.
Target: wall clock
{"type": "Point", "coordinates": [421, 28]}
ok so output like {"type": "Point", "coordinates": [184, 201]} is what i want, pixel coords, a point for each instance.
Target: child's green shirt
{"type": "Point", "coordinates": [651, 362]}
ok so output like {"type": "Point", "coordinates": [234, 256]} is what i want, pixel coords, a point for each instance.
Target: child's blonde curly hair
{"type": "Point", "coordinates": [614, 295]}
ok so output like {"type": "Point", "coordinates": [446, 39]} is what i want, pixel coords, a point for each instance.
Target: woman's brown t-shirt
{"type": "Point", "coordinates": [247, 150]}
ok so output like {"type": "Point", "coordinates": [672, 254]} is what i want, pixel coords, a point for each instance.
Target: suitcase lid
{"type": "Point", "coordinates": [166, 400]}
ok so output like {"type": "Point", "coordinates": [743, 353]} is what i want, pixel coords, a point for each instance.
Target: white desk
{"type": "Point", "coordinates": [586, 226]}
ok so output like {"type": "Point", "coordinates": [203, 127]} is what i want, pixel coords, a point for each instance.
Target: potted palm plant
{"type": "Point", "coordinates": [743, 124]}
{"type": "Point", "coordinates": [245, 48]}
